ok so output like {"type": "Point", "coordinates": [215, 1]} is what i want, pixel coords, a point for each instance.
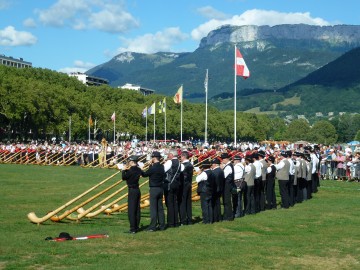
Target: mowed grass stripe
{"type": "Point", "coordinates": [316, 234]}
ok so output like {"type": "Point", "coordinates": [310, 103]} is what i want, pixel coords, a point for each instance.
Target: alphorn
{"type": "Point", "coordinates": [10, 159]}
{"type": "Point", "coordinates": [56, 160]}
{"type": "Point", "coordinates": [56, 218]}
{"type": "Point", "coordinates": [71, 157]}
{"type": "Point", "coordinates": [117, 208]}
{"type": "Point", "coordinates": [32, 159]}
{"type": "Point", "coordinates": [33, 218]}
{"type": "Point", "coordinates": [48, 157]}
{"type": "Point", "coordinates": [87, 213]}
{"type": "Point", "coordinates": [2, 155]}
{"type": "Point", "coordinates": [70, 160]}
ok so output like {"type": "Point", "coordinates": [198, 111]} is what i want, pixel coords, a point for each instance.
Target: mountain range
{"type": "Point", "coordinates": [279, 58]}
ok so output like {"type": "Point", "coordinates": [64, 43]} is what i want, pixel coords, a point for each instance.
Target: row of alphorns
{"type": "Point", "coordinates": [104, 201]}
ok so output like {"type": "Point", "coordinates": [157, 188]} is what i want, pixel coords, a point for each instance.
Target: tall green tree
{"type": "Point", "coordinates": [297, 130]}
{"type": "Point", "coordinates": [323, 132]}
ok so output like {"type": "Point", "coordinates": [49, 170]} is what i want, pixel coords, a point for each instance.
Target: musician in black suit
{"type": "Point", "coordinates": [228, 187]}
{"type": "Point", "coordinates": [156, 174]}
{"type": "Point", "coordinates": [206, 185]}
{"type": "Point", "coordinates": [185, 190]}
{"type": "Point", "coordinates": [270, 184]}
{"type": "Point", "coordinates": [219, 189]}
{"type": "Point", "coordinates": [132, 173]}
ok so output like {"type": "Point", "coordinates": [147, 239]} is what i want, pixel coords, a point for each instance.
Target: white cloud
{"type": "Point", "coordinates": [257, 17]}
{"type": "Point", "coordinates": [161, 41]}
{"type": "Point", "coordinates": [10, 37]}
{"type": "Point", "coordinates": [79, 66]}
{"type": "Point", "coordinates": [113, 19]}
{"type": "Point", "coordinates": [212, 13]}
{"type": "Point", "coordinates": [29, 22]}
{"type": "Point", "coordinates": [61, 11]}
{"type": "Point", "coordinates": [82, 14]}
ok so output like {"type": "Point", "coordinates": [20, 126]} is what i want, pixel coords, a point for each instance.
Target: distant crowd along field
{"type": "Point", "coordinates": [336, 162]}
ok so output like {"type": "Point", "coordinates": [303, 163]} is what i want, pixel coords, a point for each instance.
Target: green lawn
{"type": "Point", "coordinates": [323, 233]}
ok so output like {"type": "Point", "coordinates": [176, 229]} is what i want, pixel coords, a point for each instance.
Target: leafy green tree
{"type": "Point", "coordinates": [297, 130]}
{"type": "Point", "coordinates": [323, 132]}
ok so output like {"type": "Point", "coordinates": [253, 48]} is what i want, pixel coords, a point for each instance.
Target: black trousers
{"type": "Point", "coordinates": [308, 189]}
{"type": "Point", "coordinates": [172, 208]}
{"type": "Point", "coordinates": [157, 216]}
{"type": "Point", "coordinates": [206, 207]}
{"type": "Point", "coordinates": [185, 204]}
{"type": "Point", "coordinates": [250, 200]}
{"type": "Point", "coordinates": [284, 193]}
{"type": "Point", "coordinates": [228, 211]}
{"type": "Point", "coordinates": [238, 204]}
{"type": "Point", "coordinates": [270, 194]}
{"type": "Point", "coordinates": [315, 182]}
{"type": "Point", "coordinates": [291, 190]}
{"type": "Point", "coordinates": [301, 186]}
{"type": "Point", "coordinates": [216, 207]}
{"type": "Point", "coordinates": [262, 195]}
{"type": "Point", "coordinates": [134, 208]}
{"type": "Point", "coordinates": [257, 191]}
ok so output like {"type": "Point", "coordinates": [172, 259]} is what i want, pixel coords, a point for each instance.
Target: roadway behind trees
{"type": "Point", "coordinates": [37, 104]}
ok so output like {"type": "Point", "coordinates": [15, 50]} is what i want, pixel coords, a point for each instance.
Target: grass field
{"type": "Point", "coordinates": [323, 233]}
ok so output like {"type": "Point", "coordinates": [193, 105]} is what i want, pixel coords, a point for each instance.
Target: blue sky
{"type": "Point", "coordinates": [76, 35]}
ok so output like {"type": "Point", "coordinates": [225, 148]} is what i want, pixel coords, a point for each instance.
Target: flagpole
{"type": "Point", "coordinates": [94, 129]}
{"type": "Point", "coordinates": [181, 115]}
{"type": "Point", "coordinates": [69, 128]}
{"type": "Point", "coordinates": [89, 128]}
{"type": "Point", "coordinates": [206, 108]}
{"type": "Point", "coordinates": [165, 118]}
{"type": "Point", "coordinates": [146, 125]}
{"type": "Point", "coordinates": [114, 126]}
{"type": "Point", "coordinates": [235, 97]}
{"type": "Point", "coordinates": [154, 120]}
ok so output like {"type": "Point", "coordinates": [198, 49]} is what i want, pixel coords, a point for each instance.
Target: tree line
{"type": "Point", "coordinates": [38, 103]}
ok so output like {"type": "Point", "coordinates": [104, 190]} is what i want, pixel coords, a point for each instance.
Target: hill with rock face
{"type": "Point", "coordinates": [277, 56]}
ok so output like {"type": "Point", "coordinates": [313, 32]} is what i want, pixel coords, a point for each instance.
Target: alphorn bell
{"type": "Point", "coordinates": [33, 218]}
{"type": "Point", "coordinates": [107, 210]}
{"type": "Point", "coordinates": [83, 213]}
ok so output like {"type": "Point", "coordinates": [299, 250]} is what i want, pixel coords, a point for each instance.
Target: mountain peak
{"type": "Point", "coordinates": [337, 35]}
{"type": "Point", "coordinates": [124, 57]}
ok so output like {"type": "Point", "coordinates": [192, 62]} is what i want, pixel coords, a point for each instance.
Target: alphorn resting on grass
{"type": "Point", "coordinates": [38, 220]}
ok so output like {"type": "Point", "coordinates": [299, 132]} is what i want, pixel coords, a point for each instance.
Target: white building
{"type": "Point", "coordinates": [12, 62]}
{"type": "Point", "coordinates": [88, 79]}
{"type": "Point", "coordinates": [144, 91]}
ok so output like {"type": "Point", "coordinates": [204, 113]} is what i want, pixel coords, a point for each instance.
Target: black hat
{"type": "Point", "coordinates": [284, 153]}
{"type": "Point", "coordinates": [237, 157]}
{"type": "Point", "coordinates": [205, 164]}
{"type": "Point", "coordinates": [215, 161]}
{"type": "Point", "coordinates": [261, 153]}
{"type": "Point", "coordinates": [289, 153]}
{"type": "Point", "coordinates": [249, 157]}
{"type": "Point", "coordinates": [224, 155]}
{"type": "Point", "coordinates": [271, 158]}
{"type": "Point", "coordinates": [156, 154]}
{"type": "Point", "coordinates": [297, 154]}
{"type": "Point", "coordinates": [134, 158]}
{"type": "Point", "coordinates": [255, 155]}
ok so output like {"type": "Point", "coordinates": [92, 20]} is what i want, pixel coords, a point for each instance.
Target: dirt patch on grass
{"type": "Point", "coordinates": [316, 262]}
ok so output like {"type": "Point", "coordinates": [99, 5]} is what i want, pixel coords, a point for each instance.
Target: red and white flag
{"type": "Point", "coordinates": [179, 95]}
{"type": "Point", "coordinates": [240, 65]}
{"type": "Point", "coordinates": [113, 117]}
